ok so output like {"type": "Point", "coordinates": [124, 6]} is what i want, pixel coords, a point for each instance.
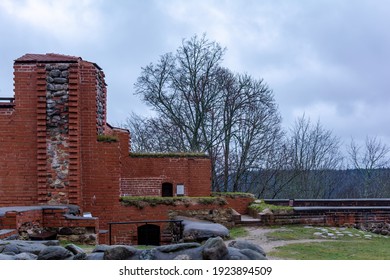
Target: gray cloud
{"type": "Point", "coordinates": [327, 59]}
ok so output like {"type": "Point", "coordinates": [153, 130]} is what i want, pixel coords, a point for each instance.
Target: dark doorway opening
{"type": "Point", "coordinates": [167, 190]}
{"type": "Point", "coordinates": [149, 235]}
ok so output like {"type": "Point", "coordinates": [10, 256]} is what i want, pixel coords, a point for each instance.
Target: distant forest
{"type": "Point", "coordinates": [318, 184]}
{"type": "Point", "coordinates": [200, 106]}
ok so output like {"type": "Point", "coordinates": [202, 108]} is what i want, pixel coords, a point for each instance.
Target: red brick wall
{"type": "Point", "coordinates": [101, 162]}
{"type": "Point", "coordinates": [141, 186]}
{"type": "Point", "coordinates": [18, 142]}
{"type": "Point", "coordinates": [127, 234]}
{"type": "Point", "coordinates": [194, 173]}
{"type": "Point", "coordinates": [96, 169]}
{"type": "Point", "coordinates": [240, 204]}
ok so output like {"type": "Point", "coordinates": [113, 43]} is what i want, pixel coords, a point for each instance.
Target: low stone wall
{"type": "Point", "coordinates": [366, 202]}
{"type": "Point", "coordinates": [327, 216]}
{"type": "Point", "coordinates": [36, 220]}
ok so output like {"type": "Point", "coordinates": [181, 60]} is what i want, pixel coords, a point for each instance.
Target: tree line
{"type": "Point", "coordinates": [201, 106]}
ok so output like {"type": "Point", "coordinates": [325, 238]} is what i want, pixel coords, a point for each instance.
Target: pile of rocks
{"type": "Point", "coordinates": [212, 249]}
{"type": "Point", "coordinates": [377, 228]}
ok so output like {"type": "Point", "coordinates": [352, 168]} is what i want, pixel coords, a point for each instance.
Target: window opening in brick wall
{"type": "Point", "coordinates": [167, 190]}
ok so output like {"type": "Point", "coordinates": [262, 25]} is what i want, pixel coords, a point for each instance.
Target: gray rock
{"type": "Point", "coordinates": [55, 73]}
{"type": "Point", "coordinates": [101, 248]}
{"type": "Point", "coordinates": [243, 244]}
{"type": "Point", "coordinates": [50, 242]}
{"type": "Point", "coordinates": [120, 253]}
{"type": "Point", "coordinates": [148, 255]}
{"type": "Point", "coordinates": [10, 249]}
{"type": "Point", "coordinates": [55, 253]}
{"type": "Point", "coordinates": [25, 256]}
{"type": "Point", "coordinates": [65, 74]}
{"type": "Point", "coordinates": [60, 92]}
{"type": "Point", "coordinates": [50, 87]}
{"type": "Point", "coordinates": [74, 249]}
{"type": "Point", "coordinates": [235, 254]}
{"type": "Point", "coordinates": [182, 257]}
{"type": "Point", "coordinates": [177, 247]}
{"type": "Point", "coordinates": [197, 230]}
{"type": "Point", "coordinates": [58, 87]}
{"type": "Point", "coordinates": [215, 249]}
{"type": "Point", "coordinates": [60, 80]}
{"type": "Point", "coordinates": [252, 255]}
{"type": "Point", "coordinates": [18, 246]}
{"type": "Point", "coordinates": [6, 257]}
{"type": "Point", "coordinates": [95, 256]}
{"type": "Point", "coordinates": [63, 66]}
{"type": "Point", "coordinates": [80, 256]}
{"type": "Point", "coordinates": [65, 231]}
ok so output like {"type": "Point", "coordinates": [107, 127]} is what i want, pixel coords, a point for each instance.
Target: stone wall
{"type": "Point", "coordinates": [56, 219]}
{"type": "Point", "coordinates": [57, 128]}
{"type": "Point", "coordinates": [100, 102]}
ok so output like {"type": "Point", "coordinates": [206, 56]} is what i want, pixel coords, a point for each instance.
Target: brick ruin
{"type": "Point", "coordinates": [56, 149]}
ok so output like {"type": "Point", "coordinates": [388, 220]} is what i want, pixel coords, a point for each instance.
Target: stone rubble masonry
{"type": "Point", "coordinates": [54, 219]}
{"type": "Point", "coordinates": [57, 131]}
{"type": "Point", "coordinates": [100, 102]}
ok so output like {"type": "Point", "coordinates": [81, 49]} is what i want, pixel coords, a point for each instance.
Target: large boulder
{"type": "Point", "coordinates": [20, 246]}
{"type": "Point", "coordinates": [25, 256]}
{"type": "Point", "coordinates": [198, 230]}
{"type": "Point", "coordinates": [215, 249]}
{"type": "Point", "coordinates": [120, 253]}
{"type": "Point", "coordinates": [243, 244]}
{"type": "Point", "coordinates": [55, 253]}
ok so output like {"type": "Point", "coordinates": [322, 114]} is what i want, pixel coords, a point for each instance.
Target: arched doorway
{"type": "Point", "coordinates": [149, 235]}
{"type": "Point", "coordinates": [167, 190]}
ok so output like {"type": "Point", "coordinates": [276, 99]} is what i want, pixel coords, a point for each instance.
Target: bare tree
{"type": "Point", "coordinates": [184, 87]}
{"type": "Point", "coordinates": [203, 107]}
{"type": "Point", "coordinates": [315, 151]}
{"type": "Point", "coordinates": [367, 160]}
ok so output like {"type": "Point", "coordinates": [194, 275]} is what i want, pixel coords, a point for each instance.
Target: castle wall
{"type": "Point", "coordinates": [18, 141]}
{"type": "Point", "coordinates": [51, 153]}
{"type": "Point", "coordinates": [144, 176]}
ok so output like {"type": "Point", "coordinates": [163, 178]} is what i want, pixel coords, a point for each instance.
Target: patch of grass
{"type": "Point", "coordinates": [261, 206]}
{"type": "Point", "coordinates": [143, 201]}
{"type": "Point", "coordinates": [342, 244]}
{"type": "Point", "coordinates": [375, 249]}
{"type": "Point", "coordinates": [237, 232]}
{"type": "Point", "coordinates": [233, 194]}
{"type": "Point", "coordinates": [292, 233]}
{"type": "Point", "coordinates": [144, 247]}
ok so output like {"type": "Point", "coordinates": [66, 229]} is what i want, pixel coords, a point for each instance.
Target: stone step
{"type": "Point", "coordinates": [248, 221]}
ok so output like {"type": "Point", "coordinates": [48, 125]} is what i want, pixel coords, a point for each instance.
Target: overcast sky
{"type": "Point", "coordinates": [329, 59]}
